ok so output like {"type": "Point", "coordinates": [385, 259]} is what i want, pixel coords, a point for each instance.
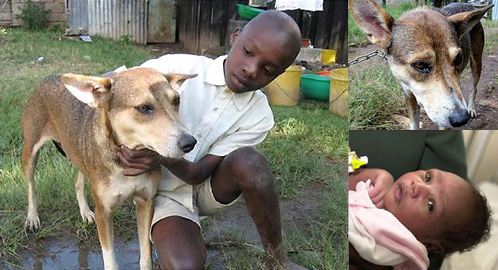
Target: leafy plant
{"type": "Point", "coordinates": [34, 16]}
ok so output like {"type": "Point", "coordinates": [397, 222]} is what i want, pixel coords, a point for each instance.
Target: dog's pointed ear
{"type": "Point", "coordinates": [373, 20]}
{"type": "Point", "coordinates": [94, 91]}
{"type": "Point", "coordinates": [465, 21]}
{"type": "Point", "coordinates": [176, 80]}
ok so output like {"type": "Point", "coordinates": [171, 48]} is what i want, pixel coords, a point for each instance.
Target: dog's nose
{"type": "Point", "coordinates": [187, 143]}
{"type": "Point", "coordinates": [459, 119]}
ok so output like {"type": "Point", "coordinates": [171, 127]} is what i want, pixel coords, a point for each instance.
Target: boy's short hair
{"type": "Point", "coordinates": [466, 235]}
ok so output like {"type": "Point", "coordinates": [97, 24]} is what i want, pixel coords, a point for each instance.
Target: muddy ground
{"type": "Point", "coordinates": [487, 89]}
{"type": "Point", "coordinates": [67, 253]}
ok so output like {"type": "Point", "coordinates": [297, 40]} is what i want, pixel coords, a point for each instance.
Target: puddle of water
{"type": "Point", "coordinates": [68, 254]}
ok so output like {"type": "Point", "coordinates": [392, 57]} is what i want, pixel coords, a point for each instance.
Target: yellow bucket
{"type": "Point", "coordinates": [328, 57]}
{"type": "Point", "coordinates": [284, 90]}
{"type": "Point", "coordinates": [338, 102]}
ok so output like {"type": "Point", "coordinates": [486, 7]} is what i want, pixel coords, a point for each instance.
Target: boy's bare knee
{"type": "Point", "coordinates": [250, 168]}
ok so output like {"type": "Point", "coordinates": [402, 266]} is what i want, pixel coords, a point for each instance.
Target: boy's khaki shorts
{"type": "Point", "coordinates": [205, 204]}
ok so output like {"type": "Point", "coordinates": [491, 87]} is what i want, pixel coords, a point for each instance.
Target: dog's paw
{"type": "Point", "coordinates": [32, 223]}
{"type": "Point", "coordinates": [88, 216]}
{"type": "Point", "coordinates": [472, 112]}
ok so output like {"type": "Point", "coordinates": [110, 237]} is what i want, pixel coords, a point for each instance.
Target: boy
{"type": "Point", "coordinates": [222, 110]}
{"type": "Point", "coordinates": [441, 210]}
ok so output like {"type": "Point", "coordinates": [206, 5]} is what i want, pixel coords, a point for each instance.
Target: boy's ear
{"type": "Point", "coordinates": [434, 247]}
{"type": "Point", "coordinates": [234, 35]}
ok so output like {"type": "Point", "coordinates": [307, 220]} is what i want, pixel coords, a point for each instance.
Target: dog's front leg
{"type": "Point", "coordinates": [144, 218]}
{"type": "Point", "coordinates": [86, 214]}
{"type": "Point", "coordinates": [413, 111]}
{"type": "Point", "coordinates": [103, 220]}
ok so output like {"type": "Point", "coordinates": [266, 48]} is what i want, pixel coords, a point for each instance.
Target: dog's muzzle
{"type": "Point", "coordinates": [187, 143]}
{"type": "Point", "coordinates": [459, 119]}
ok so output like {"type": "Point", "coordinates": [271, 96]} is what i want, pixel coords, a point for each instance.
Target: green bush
{"type": "Point", "coordinates": [34, 16]}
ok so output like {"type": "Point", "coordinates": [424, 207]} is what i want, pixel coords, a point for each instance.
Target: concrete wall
{"type": "Point", "coordinates": [10, 8]}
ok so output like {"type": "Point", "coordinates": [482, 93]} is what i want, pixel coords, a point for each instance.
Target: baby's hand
{"type": "Point", "coordinates": [381, 182]}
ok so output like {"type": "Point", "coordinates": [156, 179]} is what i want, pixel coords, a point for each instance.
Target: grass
{"type": "Point", "coordinates": [374, 96]}
{"type": "Point", "coordinates": [490, 41]}
{"type": "Point", "coordinates": [489, 24]}
{"type": "Point", "coordinates": [307, 146]}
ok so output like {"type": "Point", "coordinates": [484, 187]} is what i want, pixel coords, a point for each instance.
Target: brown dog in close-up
{"type": "Point", "coordinates": [427, 50]}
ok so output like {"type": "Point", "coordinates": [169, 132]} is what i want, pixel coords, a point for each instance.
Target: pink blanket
{"type": "Point", "coordinates": [379, 237]}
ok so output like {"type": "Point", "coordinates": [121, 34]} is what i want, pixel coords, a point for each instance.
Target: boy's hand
{"type": "Point", "coordinates": [382, 182]}
{"type": "Point", "coordinates": [138, 161]}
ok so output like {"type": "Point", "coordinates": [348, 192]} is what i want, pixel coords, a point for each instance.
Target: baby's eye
{"type": "Point", "coordinates": [431, 206]}
{"type": "Point", "coordinates": [427, 177]}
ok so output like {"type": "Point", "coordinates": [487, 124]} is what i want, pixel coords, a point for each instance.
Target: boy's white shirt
{"type": "Point", "coordinates": [220, 120]}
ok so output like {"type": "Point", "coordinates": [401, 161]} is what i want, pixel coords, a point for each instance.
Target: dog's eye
{"type": "Point", "coordinates": [421, 67]}
{"type": "Point", "coordinates": [176, 101]}
{"type": "Point", "coordinates": [458, 60]}
{"type": "Point", "coordinates": [145, 109]}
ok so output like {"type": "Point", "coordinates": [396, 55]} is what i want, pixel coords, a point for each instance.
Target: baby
{"type": "Point", "coordinates": [398, 223]}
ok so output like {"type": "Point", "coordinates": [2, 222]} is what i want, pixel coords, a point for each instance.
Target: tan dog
{"type": "Point", "coordinates": [427, 50]}
{"type": "Point", "coordinates": [136, 108]}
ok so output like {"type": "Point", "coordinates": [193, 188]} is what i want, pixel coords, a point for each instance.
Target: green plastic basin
{"type": "Point", "coordinates": [248, 12]}
{"type": "Point", "coordinates": [315, 86]}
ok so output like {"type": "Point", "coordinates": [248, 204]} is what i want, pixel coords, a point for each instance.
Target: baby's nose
{"type": "Point", "coordinates": [418, 189]}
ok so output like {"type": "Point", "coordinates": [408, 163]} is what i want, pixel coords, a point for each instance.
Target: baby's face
{"type": "Point", "coordinates": [427, 202]}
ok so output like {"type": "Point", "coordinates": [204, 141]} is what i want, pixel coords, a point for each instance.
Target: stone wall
{"type": "Point", "coordinates": [9, 9]}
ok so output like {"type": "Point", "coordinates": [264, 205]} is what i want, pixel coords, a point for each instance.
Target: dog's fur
{"type": "Point", "coordinates": [427, 50]}
{"type": "Point", "coordinates": [136, 108]}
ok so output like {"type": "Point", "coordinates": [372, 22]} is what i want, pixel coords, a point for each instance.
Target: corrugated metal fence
{"type": "Point", "coordinates": [108, 18]}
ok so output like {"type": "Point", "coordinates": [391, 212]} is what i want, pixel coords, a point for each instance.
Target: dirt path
{"type": "Point", "coordinates": [487, 89]}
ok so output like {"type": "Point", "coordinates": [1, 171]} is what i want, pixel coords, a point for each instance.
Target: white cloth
{"type": "Point", "coordinates": [379, 237]}
{"type": "Point", "coordinates": [311, 5]}
{"type": "Point", "coordinates": [220, 120]}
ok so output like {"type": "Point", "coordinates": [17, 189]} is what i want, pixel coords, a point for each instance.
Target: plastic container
{"type": "Point", "coordinates": [338, 102]}
{"type": "Point", "coordinates": [284, 90]}
{"type": "Point", "coordinates": [315, 86]}
{"type": "Point", "coordinates": [323, 73]}
{"type": "Point", "coordinates": [328, 57]}
{"type": "Point", "coordinates": [248, 12]}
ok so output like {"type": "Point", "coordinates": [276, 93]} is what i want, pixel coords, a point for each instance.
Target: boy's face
{"type": "Point", "coordinates": [256, 59]}
{"type": "Point", "coordinates": [427, 202]}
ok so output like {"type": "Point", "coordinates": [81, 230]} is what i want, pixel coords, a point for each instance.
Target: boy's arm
{"type": "Point", "coordinates": [192, 172]}
{"type": "Point", "coordinates": [145, 160]}
{"type": "Point", "coordinates": [381, 181]}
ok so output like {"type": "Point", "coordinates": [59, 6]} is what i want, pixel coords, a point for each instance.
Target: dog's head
{"type": "Point", "coordinates": [427, 51]}
{"type": "Point", "coordinates": [142, 107]}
